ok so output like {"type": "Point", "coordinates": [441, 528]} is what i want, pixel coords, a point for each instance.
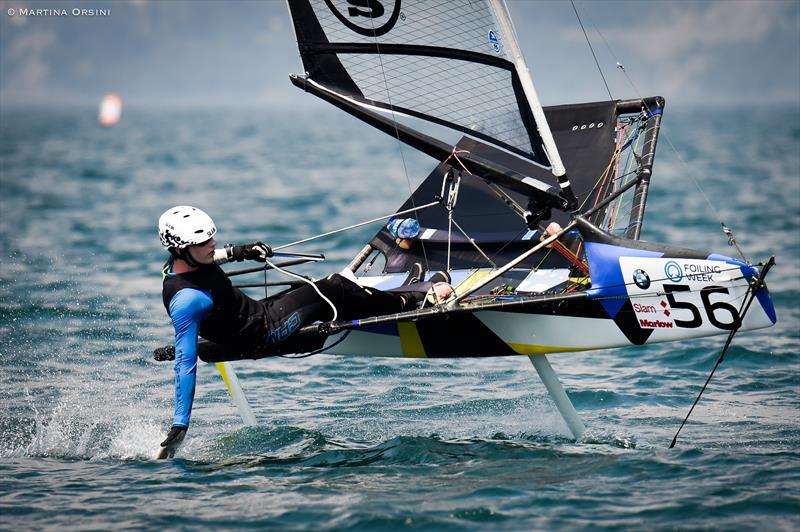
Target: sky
{"type": "Point", "coordinates": [240, 52]}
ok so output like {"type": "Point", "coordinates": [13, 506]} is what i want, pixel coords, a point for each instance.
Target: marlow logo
{"type": "Point", "coordinates": [366, 17]}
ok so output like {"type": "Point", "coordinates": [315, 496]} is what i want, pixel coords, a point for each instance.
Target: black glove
{"type": "Point", "coordinates": [174, 436]}
{"type": "Point", "coordinates": [257, 251]}
{"type": "Point", "coordinates": [163, 354]}
{"type": "Point", "coordinates": [170, 445]}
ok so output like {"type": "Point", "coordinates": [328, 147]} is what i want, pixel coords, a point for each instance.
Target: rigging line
{"type": "Point", "coordinates": [629, 170]}
{"type": "Point", "coordinates": [396, 130]}
{"type": "Point", "coordinates": [725, 229]}
{"type": "Point", "coordinates": [472, 241]}
{"type": "Point", "coordinates": [541, 262]}
{"type": "Point", "coordinates": [449, 234]}
{"type": "Point", "coordinates": [505, 198]}
{"type": "Point", "coordinates": [329, 233]}
{"type": "Point", "coordinates": [674, 149]}
{"type": "Point", "coordinates": [752, 290]}
{"type": "Point", "coordinates": [600, 181]}
{"type": "Point", "coordinates": [511, 203]}
{"type": "Point", "coordinates": [508, 200]}
{"type": "Point", "coordinates": [615, 207]}
{"type": "Point", "coordinates": [596, 62]}
{"type": "Point", "coordinates": [321, 349]}
{"type": "Point", "coordinates": [514, 239]}
{"type": "Point", "coordinates": [313, 285]}
{"type": "Point", "coordinates": [570, 256]}
{"type": "Point", "coordinates": [615, 160]}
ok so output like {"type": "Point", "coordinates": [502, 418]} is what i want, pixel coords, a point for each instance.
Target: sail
{"type": "Point", "coordinates": [443, 61]}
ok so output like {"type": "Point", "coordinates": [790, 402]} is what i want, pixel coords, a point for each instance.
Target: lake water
{"type": "Point", "coordinates": [367, 443]}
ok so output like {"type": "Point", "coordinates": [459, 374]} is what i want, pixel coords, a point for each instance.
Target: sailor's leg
{"type": "Point", "coordinates": [553, 385]}
{"type": "Point", "coordinates": [288, 312]}
{"type": "Point", "coordinates": [354, 301]}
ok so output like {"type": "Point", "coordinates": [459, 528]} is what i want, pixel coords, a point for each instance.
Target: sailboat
{"type": "Point", "coordinates": [536, 212]}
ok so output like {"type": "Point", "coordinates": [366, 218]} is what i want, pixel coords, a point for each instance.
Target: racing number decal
{"type": "Point", "coordinates": [710, 308]}
{"type": "Point", "coordinates": [696, 320]}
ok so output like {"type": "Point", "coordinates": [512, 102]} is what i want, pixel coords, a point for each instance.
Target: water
{"type": "Point", "coordinates": [367, 443]}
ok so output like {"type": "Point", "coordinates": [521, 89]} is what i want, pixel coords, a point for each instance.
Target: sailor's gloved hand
{"type": "Point", "coordinates": [163, 354]}
{"type": "Point", "coordinates": [174, 437]}
{"type": "Point", "coordinates": [257, 251]}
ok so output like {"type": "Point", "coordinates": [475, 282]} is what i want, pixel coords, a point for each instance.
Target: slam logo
{"type": "Point", "coordinates": [372, 18]}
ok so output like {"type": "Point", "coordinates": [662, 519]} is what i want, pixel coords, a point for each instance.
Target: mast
{"type": "Point", "coordinates": [510, 42]}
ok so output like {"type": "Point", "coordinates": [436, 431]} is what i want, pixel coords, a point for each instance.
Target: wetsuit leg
{"type": "Point", "coordinates": [288, 312]}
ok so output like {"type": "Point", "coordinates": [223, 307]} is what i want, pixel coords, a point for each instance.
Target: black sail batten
{"type": "Point", "coordinates": [311, 48]}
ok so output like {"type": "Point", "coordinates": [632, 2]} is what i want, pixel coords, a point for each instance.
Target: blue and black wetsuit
{"type": "Point", "coordinates": [205, 303]}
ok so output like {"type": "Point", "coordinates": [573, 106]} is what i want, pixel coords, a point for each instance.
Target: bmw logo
{"type": "Point", "coordinates": [641, 279]}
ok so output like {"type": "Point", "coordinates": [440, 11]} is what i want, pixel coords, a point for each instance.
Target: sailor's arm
{"type": "Point", "coordinates": [187, 308]}
{"type": "Point", "coordinates": [257, 251]}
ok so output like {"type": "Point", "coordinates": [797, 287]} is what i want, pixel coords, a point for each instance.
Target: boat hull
{"type": "Point", "coordinates": [643, 300]}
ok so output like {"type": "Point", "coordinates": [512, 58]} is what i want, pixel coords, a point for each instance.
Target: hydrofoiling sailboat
{"type": "Point", "coordinates": [535, 213]}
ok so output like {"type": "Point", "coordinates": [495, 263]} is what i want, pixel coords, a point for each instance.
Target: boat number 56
{"type": "Point", "coordinates": [714, 311]}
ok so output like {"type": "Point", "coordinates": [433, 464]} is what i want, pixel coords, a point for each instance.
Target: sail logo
{"type": "Point", "coordinates": [494, 41]}
{"type": "Point", "coordinates": [366, 17]}
{"type": "Point", "coordinates": [673, 271]}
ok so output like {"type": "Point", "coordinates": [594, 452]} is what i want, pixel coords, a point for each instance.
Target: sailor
{"type": "Point", "coordinates": [201, 301]}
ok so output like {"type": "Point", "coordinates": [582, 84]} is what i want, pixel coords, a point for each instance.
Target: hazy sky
{"type": "Point", "coordinates": [171, 52]}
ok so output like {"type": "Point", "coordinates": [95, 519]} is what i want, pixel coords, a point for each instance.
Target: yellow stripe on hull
{"type": "Point", "coordinates": [410, 342]}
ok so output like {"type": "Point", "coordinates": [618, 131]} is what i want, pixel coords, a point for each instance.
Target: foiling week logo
{"type": "Point", "coordinates": [366, 17]}
{"type": "Point", "coordinates": [673, 271]}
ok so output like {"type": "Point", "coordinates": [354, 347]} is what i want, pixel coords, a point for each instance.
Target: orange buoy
{"type": "Point", "coordinates": [110, 110]}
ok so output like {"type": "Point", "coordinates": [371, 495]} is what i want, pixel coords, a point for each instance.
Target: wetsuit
{"type": "Point", "coordinates": [204, 303]}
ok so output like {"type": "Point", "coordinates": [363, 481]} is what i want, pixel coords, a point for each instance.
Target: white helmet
{"type": "Point", "coordinates": [183, 226]}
